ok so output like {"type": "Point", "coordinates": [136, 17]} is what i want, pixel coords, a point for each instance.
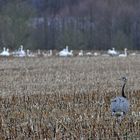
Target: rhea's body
{"type": "Point", "coordinates": [120, 104]}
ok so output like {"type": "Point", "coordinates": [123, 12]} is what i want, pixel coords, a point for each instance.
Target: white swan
{"type": "Point", "coordinates": [81, 53]}
{"type": "Point", "coordinates": [96, 54]}
{"type": "Point", "coordinates": [89, 54]}
{"type": "Point", "coordinates": [125, 53]}
{"type": "Point", "coordinates": [47, 54]}
{"type": "Point", "coordinates": [20, 52]}
{"type": "Point", "coordinates": [133, 54]}
{"type": "Point", "coordinates": [112, 52]}
{"type": "Point", "coordinates": [66, 52]}
{"type": "Point", "coordinates": [5, 52]}
{"type": "Point", "coordinates": [30, 54]}
{"type": "Point", "coordinates": [50, 53]}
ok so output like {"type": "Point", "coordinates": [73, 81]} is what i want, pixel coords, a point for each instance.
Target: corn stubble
{"type": "Point", "coordinates": [67, 98]}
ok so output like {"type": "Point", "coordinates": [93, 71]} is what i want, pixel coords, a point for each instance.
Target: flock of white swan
{"type": "Point", "coordinates": [63, 53]}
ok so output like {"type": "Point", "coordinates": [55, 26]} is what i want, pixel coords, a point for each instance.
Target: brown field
{"type": "Point", "coordinates": [67, 98]}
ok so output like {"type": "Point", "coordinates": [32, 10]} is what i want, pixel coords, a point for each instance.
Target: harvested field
{"type": "Point", "coordinates": [67, 98]}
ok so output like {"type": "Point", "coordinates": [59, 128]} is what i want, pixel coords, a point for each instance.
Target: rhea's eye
{"type": "Point", "coordinates": [123, 78]}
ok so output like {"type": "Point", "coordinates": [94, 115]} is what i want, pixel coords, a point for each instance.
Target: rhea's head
{"type": "Point", "coordinates": [124, 79]}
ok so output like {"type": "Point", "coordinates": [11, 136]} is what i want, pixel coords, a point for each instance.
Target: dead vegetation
{"type": "Point", "coordinates": [67, 98]}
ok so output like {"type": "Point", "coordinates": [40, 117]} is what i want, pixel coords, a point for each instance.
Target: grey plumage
{"type": "Point", "coordinates": [120, 105]}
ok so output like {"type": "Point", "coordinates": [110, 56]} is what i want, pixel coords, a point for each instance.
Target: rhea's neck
{"type": "Point", "coordinates": [123, 94]}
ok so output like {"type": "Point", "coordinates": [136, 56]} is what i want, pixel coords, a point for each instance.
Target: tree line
{"type": "Point", "coordinates": [53, 24]}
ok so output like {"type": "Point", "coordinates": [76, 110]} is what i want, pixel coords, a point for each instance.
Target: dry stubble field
{"type": "Point", "coordinates": [67, 98]}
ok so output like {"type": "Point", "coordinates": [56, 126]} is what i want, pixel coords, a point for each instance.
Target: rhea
{"type": "Point", "coordinates": [120, 104]}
